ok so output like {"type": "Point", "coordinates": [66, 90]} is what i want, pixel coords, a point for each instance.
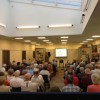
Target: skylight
{"type": "Point", "coordinates": [72, 4]}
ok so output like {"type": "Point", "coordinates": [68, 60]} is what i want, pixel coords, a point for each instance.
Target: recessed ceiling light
{"type": "Point", "coordinates": [96, 36]}
{"type": "Point", "coordinates": [85, 41]}
{"type": "Point", "coordinates": [81, 43]}
{"type": "Point", "coordinates": [89, 39]}
{"type": "Point", "coordinates": [64, 40]}
{"type": "Point", "coordinates": [33, 42]}
{"type": "Point", "coordinates": [48, 42]}
{"type": "Point", "coordinates": [19, 38]}
{"type": "Point", "coordinates": [64, 37]}
{"type": "Point", "coordinates": [27, 40]}
{"type": "Point", "coordinates": [37, 44]}
{"type": "Point", "coordinates": [45, 40]}
{"type": "Point", "coordinates": [41, 37]}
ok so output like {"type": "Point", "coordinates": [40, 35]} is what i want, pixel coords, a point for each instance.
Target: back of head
{"type": "Point", "coordinates": [2, 73]}
{"type": "Point", "coordinates": [2, 80]}
{"type": "Point", "coordinates": [69, 79]}
{"type": "Point", "coordinates": [87, 71]}
{"type": "Point", "coordinates": [95, 76]}
{"type": "Point", "coordinates": [17, 73]}
{"type": "Point", "coordinates": [55, 89]}
{"type": "Point", "coordinates": [10, 71]}
{"type": "Point", "coordinates": [27, 76]}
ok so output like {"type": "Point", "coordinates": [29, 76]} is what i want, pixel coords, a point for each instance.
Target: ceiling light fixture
{"type": "Point", "coordinates": [64, 37]}
{"type": "Point", "coordinates": [2, 25]}
{"type": "Point", "coordinates": [45, 40]}
{"type": "Point", "coordinates": [96, 36]}
{"type": "Point", "coordinates": [64, 40]}
{"type": "Point", "coordinates": [89, 39]}
{"type": "Point", "coordinates": [33, 42]}
{"type": "Point", "coordinates": [19, 38]}
{"type": "Point", "coordinates": [81, 43]}
{"type": "Point", "coordinates": [27, 41]}
{"type": "Point", "coordinates": [37, 44]}
{"type": "Point", "coordinates": [63, 25]}
{"type": "Point", "coordinates": [25, 27]}
{"type": "Point", "coordinates": [41, 37]}
{"type": "Point", "coordinates": [48, 42]}
{"type": "Point", "coordinates": [85, 41]}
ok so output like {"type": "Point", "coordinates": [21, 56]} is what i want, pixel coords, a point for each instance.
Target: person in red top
{"type": "Point", "coordinates": [75, 81]}
{"type": "Point", "coordinates": [95, 87]}
{"type": "Point", "coordinates": [75, 78]}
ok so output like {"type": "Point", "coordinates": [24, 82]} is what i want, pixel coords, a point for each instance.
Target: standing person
{"type": "Point", "coordinates": [54, 65]}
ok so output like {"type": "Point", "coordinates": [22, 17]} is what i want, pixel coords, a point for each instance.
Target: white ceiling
{"type": "Point", "coordinates": [92, 28]}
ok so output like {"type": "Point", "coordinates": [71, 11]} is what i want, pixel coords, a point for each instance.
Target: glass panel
{"type": "Point", "coordinates": [74, 4]}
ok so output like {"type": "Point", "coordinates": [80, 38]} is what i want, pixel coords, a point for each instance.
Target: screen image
{"type": "Point", "coordinates": [61, 52]}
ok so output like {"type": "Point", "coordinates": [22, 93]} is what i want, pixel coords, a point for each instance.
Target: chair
{"type": "Point", "coordinates": [15, 89]}
{"type": "Point", "coordinates": [46, 81]}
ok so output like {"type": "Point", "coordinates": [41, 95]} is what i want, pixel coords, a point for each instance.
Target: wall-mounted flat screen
{"type": "Point", "coordinates": [60, 52]}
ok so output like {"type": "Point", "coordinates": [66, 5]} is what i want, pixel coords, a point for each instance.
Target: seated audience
{"type": "Point", "coordinates": [28, 86]}
{"type": "Point", "coordinates": [70, 87]}
{"type": "Point", "coordinates": [95, 87]}
{"type": "Point", "coordinates": [16, 82]}
{"type": "Point", "coordinates": [3, 87]}
{"type": "Point", "coordinates": [54, 89]}
{"type": "Point", "coordinates": [86, 80]}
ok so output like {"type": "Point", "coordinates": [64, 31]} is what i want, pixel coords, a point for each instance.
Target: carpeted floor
{"type": "Point", "coordinates": [58, 80]}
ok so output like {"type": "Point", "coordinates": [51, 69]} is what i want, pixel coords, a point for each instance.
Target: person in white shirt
{"type": "Point", "coordinates": [38, 78]}
{"type": "Point", "coordinates": [16, 81]}
{"type": "Point", "coordinates": [28, 85]}
{"type": "Point", "coordinates": [44, 71]}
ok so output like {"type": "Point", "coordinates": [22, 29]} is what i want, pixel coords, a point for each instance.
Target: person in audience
{"type": "Point", "coordinates": [95, 87]}
{"type": "Point", "coordinates": [75, 78]}
{"type": "Point", "coordinates": [16, 82]}
{"type": "Point", "coordinates": [38, 79]}
{"type": "Point", "coordinates": [23, 74]}
{"type": "Point", "coordinates": [70, 87]}
{"type": "Point", "coordinates": [3, 87]}
{"type": "Point", "coordinates": [10, 74]}
{"type": "Point", "coordinates": [28, 86]}
{"type": "Point", "coordinates": [6, 81]}
{"type": "Point", "coordinates": [80, 75]}
{"type": "Point", "coordinates": [44, 71]}
{"type": "Point", "coordinates": [86, 79]}
{"type": "Point", "coordinates": [54, 89]}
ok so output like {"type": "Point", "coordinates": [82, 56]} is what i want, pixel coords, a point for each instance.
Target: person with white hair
{"type": "Point", "coordinates": [16, 82]}
{"type": "Point", "coordinates": [95, 77]}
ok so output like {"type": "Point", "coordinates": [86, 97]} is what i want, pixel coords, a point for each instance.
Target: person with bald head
{"type": "Point", "coordinates": [28, 85]}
